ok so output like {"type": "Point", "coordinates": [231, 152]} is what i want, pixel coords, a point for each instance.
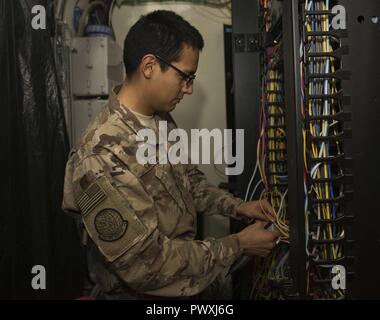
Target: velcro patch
{"type": "Point", "coordinates": [110, 220]}
{"type": "Point", "coordinates": [110, 225]}
{"type": "Point", "coordinates": [90, 198]}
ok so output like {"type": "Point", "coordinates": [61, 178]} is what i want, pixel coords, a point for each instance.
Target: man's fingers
{"type": "Point", "coordinates": [271, 236]}
{"type": "Point", "coordinates": [267, 235]}
{"type": "Point", "coordinates": [269, 245]}
{"type": "Point", "coordinates": [267, 207]}
{"type": "Point", "coordinates": [275, 235]}
{"type": "Point", "coordinates": [261, 224]}
{"type": "Point", "coordinates": [260, 216]}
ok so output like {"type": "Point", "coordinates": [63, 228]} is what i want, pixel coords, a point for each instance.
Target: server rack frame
{"type": "Point", "coordinates": [363, 235]}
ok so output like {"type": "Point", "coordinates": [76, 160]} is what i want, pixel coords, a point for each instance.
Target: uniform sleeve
{"type": "Point", "coordinates": [209, 199]}
{"type": "Point", "coordinates": [119, 216]}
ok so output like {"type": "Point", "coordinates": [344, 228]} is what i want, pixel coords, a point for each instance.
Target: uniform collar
{"type": "Point", "coordinates": [126, 115]}
{"type": "Point", "coordinates": [129, 118]}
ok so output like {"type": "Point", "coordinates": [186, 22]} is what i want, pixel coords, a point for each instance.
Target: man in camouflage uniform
{"type": "Point", "coordinates": [141, 219]}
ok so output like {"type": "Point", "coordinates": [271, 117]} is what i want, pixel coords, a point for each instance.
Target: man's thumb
{"type": "Point", "coordinates": [261, 224]}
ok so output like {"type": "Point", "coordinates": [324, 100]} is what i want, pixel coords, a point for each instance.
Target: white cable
{"type": "Point", "coordinates": [254, 190]}
{"type": "Point", "coordinates": [251, 180]}
{"type": "Point", "coordinates": [306, 219]}
{"type": "Point", "coordinates": [110, 13]}
{"type": "Point", "coordinates": [313, 171]}
{"type": "Point", "coordinates": [282, 262]}
{"type": "Point", "coordinates": [282, 203]}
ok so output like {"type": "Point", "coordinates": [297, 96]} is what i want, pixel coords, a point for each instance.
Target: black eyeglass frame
{"type": "Point", "coordinates": [189, 78]}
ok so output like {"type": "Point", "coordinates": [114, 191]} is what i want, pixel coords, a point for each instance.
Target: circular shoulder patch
{"type": "Point", "coordinates": [110, 225]}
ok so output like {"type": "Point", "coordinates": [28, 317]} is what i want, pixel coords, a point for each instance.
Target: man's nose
{"type": "Point", "coordinates": [188, 89]}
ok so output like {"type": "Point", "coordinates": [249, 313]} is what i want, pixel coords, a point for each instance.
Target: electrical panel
{"type": "Point", "coordinates": [97, 66]}
{"type": "Point", "coordinates": [314, 111]}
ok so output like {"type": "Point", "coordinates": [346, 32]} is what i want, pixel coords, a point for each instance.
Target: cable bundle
{"type": "Point", "coordinates": [323, 147]}
{"type": "Point", "coordinates": [274, 146]}
{"type": "Point", "coordinates": [266, 10]}
{"type": "Point", "coordinates": [272, 276]}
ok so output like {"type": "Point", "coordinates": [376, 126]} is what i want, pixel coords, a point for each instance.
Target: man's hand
{"type": "Point", "coordinates": [260, 210]}
{"type": "Point", "coordinates": [256, 240]}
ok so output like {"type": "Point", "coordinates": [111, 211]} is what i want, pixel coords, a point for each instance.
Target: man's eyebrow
{"type": "Point", "coordinates": [191, 72]}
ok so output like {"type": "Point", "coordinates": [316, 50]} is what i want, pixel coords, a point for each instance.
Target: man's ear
{"type": "Point", "coordinates": [147, 65]}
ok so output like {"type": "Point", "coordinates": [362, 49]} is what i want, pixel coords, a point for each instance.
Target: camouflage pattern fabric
{"type": "Point", "coordinates": [142, 218]}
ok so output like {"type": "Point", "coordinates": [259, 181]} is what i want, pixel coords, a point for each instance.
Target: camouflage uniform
{"type": "Point", "coordinates": [141, 219]}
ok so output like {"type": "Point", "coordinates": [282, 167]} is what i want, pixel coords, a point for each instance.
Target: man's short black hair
{"type": "Point", "coordinates": [161, 33]}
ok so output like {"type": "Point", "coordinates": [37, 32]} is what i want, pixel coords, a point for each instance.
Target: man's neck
{"type": "Point", "coordinates": [131, 97]}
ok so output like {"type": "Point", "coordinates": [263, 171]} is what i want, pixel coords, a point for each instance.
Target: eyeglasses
{"type": "Point", "coordinates": [188, 78]}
